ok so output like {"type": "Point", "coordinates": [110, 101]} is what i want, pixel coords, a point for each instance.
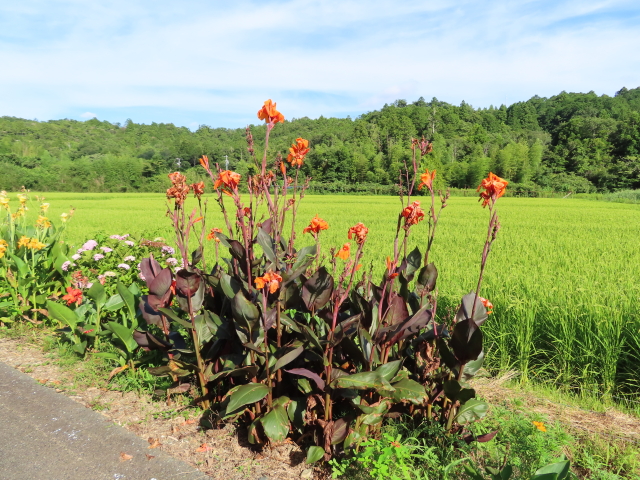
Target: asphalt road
{"type": "Point", "coordinates": [47, 436]}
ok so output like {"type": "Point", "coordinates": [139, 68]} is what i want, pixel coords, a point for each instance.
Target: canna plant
{"type": "Point", "coordinates": [294, 343]}
{"type": "Point", "coordinates": [31, 260]}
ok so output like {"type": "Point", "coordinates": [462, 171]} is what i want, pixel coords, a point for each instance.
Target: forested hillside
{"type": "Point", "coordinates": [569, 142]}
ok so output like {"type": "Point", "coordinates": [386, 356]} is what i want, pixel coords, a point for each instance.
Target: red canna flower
{"type": "Point", "coordinates": [344, 252]}
{"type": "Point", "coordinates": [315, 226]}
{"type": "Point", "coordinates": [269, 114]}
{"type": "Point", "coordinates": [494, 188]}
{"type": "Point", "coordinates": [412, 214]}
{"type": "Point", "coordinates": [426, 180]}
{"type": "Point", "coordinates": [270, 279]}
{"type": "Point", "coordinates": [74, 295]}
{"type": "Point", "coordinates": [228, 180]}
{"type": "Point", "coordinates": [297, 152]}
{"type": "Point", "coordinates": [359, 231]}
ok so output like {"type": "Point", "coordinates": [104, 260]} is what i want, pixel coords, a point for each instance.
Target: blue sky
{"type": "Point", "coordinates": [214, 62]}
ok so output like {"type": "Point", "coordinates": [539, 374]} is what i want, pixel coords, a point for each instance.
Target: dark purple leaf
{"type": "Point", "coordinates": [150, 268]}
{"type": "Point", "coordinates": [317, 290]}
{"type": "Point", "coordinates": [161, 283]}
{"type": "Point", "coordinates": [187, 283]}
{"type": "Point", "coordinates": [309, 374]}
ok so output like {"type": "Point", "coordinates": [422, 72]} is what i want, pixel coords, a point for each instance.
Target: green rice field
{"type": "Point", "coordinates": [563, 274]}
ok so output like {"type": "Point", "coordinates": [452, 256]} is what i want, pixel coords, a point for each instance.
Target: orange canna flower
{"type": "Point", "coordinates": [212, 234]}
{"type": "Point", "coordinates": [426, 180]}
{"type": "Point", "coordinates": [540, 426]}
{"type": "Point", "coordinates": [344, 252]}
{"type": "Point", "coordinates": [315, 226]}
{"type": "Point", "coordinates": [391, 266]}
{"type": "Point", "coordinates": [204, 161]}
{"type": "Point", "coordinates": [412, 214]}
{"type": "Point", "coordinates": [487, 304]}
{"type": "Point", "coordinates": [359, 231]}
{"type": "Point", "coordinates": [269, 114]}
{"type": "Point", "coordinates": [283, 169]}
{"type": "Point", "coordinates": [179, 189]}
{"type": "Point", "coordinates": [74, 295]}
{"type": "Point", "coordinates": [270, 279]}
{"type": "Point", "coordinates": [228, 180]}
{"type": "Point", "coordinates": [297, 152]}
{"type": "Point", "coordinates": [246, 211]}
{"type": "Point", "coordinates": [198, 189]}
{"type": "Point", "coordinates": [494, 188]}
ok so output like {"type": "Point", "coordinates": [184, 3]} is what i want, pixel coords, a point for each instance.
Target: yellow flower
{"type": "Point", "coordinates": [4, 203]}
{"type": "Point", "coordinates": [540, 426]}
{"type": "Point", "coordinates": [64, 216]}
{"type": "Point", "coordinates": [3, 247]}
{"type": "Point", "coordinates": [44, 207]}
{"type": "Point", "coordinates": [23, 242]}
{"type": "Point", "coordinates": [35, 244]}
{"type": "Point", "coordinates": [22, 198]}
{"type": "Point", "coordinates": [43, 222]}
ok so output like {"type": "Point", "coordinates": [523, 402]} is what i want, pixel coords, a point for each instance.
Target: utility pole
{"type": "Point", "coordinates": [226, 162]}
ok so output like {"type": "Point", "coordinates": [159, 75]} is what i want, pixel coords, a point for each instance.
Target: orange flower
{"type": "Point", "coordinates": [487, 304]}
{"type": "Point", "coordinates": [212, 234]}
{"type": "Point", "coordinates": [74, 295]}
{"type": "Point", "coordinates": [204, 161]}
{"type": "Point", "coordinates": [246, 211]}
{"type": "Point", "coordinates": [180, 189]}
{"type": "Point", "coordinates": [391, 266]}
{"type": "Point", "coordinates": [269, 114]}
{"type": "Point", "coordinates": [228, 180]}
{"type": "Point", "coordinates": [344, 252]}
{"type": "Point", "coordinates": [412, 214]}
{"type": "Point", "coordinates": [540, 426]}
{"type": "Point", "coordinates": [198, 189]}
{"type": "Point", "coordinates": [425, 146]}
{"type": "Point", "coordinates": [494, 188]}
{"type": "Point", "coordinates": [426, 180]}
{"type": "Point", "coordinates": [269, 279]}
{"type": "Point", "coordinates": [315, 226]}
{"type": "Point", "coordinates": [297, 152]}
{"type": "Point", "coordinates": [360, 232]}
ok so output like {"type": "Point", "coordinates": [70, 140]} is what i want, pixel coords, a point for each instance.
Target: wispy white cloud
{"type": "Point", "coordinates": [217, 61]}
{"type": "Point", "coordinates": [88, 115]}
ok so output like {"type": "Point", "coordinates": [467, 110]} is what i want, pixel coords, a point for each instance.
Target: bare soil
{"type": "Point", "coordinates": [222, 454]}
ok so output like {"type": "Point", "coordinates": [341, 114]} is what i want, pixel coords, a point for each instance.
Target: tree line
{"type": "Point", "coordinates": [578, 142]}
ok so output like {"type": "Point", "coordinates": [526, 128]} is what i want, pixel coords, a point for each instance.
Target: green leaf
{"type": "Point", "coordinates": [174, 317]}
{"type": "Point", "coordinates": [128, 298]}
{"type": "Point", "coordinates": [98, 294]}
{"type": "Point", "coordinates": [296, 410]}
{"type": "Point", "coordinates": [62, 313]}
{"type": "Point", "coordinates": [409, 390]}
{"type": "Point", "coordinates": [245, 394]}
{"type": "Point", "coordinates": [276, 424]}
{"type": "Point", "coordinates": [360, 381]}
{"type": "Point", "coordinates": [560, 469]}
{"type": "Point", "coordinates": [107, 355]}
{"type": "Point", "coordinates": [230, 286]}
{"type": "Point", "coordinates": [304, 259]}
{"type": "Point", "coordinates": [23, 270]}
{"type": "Point", "coordinates": [124, 334]}
{"type": "Point", "coordinates": [265, 241]}
{"type": "Point", "coordinates": [389, 370]}
{"type": "Point", "coordinates": [114, 303]}
{"type": "Point", "coordinates": [288, 358]}
{"type": "Point", "coordinates": [471, 411]}
{"type": "Point", "coordinates": [314, 454]}
{"type": "Point", "coordinates": [244, 311]}
{"type": "Point", "coordinates": [414, 260]}
{"type": "Point", "coordinates": [80, 347]}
